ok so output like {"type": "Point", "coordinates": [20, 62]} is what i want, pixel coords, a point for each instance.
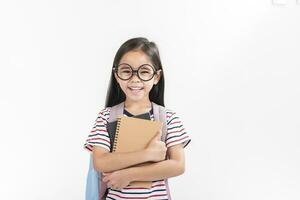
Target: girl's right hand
{"type": "Point", "coordinates": [156, 148]}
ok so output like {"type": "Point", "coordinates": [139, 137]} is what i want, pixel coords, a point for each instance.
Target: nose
{"type": "Point", "coordinates": [134, 75]}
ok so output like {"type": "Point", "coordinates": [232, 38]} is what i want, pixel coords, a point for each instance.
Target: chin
{"type": "Point", "coordinates": [135, 98]}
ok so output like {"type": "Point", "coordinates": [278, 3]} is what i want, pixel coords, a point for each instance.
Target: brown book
{"type": "Point", "coordinates": [134, 134]}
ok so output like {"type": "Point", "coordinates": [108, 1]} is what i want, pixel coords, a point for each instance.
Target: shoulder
{"type": "Point", "coordinates": [171, 115]}
{"type": "Point", "coordinates": [176, 132]}
{"type": "Point", "coordinates": [103, 114]}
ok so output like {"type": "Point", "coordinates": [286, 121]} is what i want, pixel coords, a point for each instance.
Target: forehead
{"type": "Point", "coordinates": [135, 59]}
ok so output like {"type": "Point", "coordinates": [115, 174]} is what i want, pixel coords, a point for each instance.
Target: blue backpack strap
{"type": "Point", "coordinates": [92, 182]}
{"type": "Point", "coordinates": [160, 114]}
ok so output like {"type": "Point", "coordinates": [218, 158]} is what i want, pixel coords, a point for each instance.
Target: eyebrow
{"type": "Point", "coordinates": [138, 66]}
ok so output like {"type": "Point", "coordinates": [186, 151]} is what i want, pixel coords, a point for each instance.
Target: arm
{"type": "Point", "coordinates": [161, 170]}
{"type": "Point", "coordinates": [174, 166]}
{"type": "Point", "coordinates": [105, 161]}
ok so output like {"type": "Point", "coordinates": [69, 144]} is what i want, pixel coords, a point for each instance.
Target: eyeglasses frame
{"type": "Point", "coordinates": [115, 69]}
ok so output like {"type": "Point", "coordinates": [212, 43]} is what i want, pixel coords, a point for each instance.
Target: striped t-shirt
{"type": "Point", "coordinates": [176, 134]}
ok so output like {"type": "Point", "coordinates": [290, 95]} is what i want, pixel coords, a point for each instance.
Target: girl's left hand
{"type": "Point", "coordinates": [116, 180]}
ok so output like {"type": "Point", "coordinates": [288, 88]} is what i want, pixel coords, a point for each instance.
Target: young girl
{"type": "Point", "coordinates": [137, 79]}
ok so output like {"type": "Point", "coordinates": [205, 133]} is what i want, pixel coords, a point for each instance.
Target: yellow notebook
{"type": "Point", "coordinates": [133, 134]}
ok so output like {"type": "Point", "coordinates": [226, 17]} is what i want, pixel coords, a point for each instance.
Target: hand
{"type": "Point", "coordinates": [156, 148]}
{"type": "Point", "coordinates": [116, 180]}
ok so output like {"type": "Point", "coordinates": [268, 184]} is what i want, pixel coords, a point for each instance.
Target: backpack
{"type": "Point", "coordinates": [95, 188]}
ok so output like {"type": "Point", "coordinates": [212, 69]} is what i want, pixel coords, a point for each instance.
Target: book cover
{"type": "Point", "coordinates": [134, 134]}
{"type": "Point", "coordinates": [111, 126]}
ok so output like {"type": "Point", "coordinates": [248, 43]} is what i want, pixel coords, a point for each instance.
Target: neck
{"type": "Point", "coordinates": [137, 107]}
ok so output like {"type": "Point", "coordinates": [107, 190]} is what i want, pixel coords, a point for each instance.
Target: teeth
{"type": "Point", "coordinates": [133, 88]}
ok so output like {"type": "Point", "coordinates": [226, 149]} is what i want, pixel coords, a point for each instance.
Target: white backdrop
{"type": "Point", "coordinates": [232, 74]}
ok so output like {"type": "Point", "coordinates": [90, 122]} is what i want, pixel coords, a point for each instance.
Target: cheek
{"type": "Point", "coordinates": [148, 87]}
{"type": "Point", "coordinates": [123, 86]}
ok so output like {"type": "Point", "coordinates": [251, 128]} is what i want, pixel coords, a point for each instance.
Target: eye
{"type": "Point", "coordinates": [145, 72]}
{"type": "Point", "coordinates": [125, 70]}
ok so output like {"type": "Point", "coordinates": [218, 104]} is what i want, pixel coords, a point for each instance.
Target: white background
{"type": "Point", "coordinates": [232, 74]}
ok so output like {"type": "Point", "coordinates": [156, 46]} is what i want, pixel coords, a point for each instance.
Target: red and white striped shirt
{"type": "Point", "coordinates": [176, 134]}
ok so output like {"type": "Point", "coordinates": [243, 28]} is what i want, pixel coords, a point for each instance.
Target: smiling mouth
{"type": "Point", "coordinates": [135, 88]}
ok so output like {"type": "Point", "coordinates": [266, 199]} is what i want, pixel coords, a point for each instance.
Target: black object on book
{"type": "Point", "coordinates": [111, 127]}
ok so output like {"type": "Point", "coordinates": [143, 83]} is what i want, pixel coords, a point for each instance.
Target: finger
{"type": "Point", "coordinates": [115, 187]}
{"type": "Point", "coordinates": [105, 174]}
{"type": "Point", "coordinates": [159, 134]}
{"type": "Point", "coordinates": [156, 136]}
{"type": "Point", "coordinates": [105, 179]}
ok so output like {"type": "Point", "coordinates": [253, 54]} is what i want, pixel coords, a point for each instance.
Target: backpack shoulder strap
{"type": "Point", "coordinates": [161, 115]}
{"type": "Point", "coordinates": [116, 111]}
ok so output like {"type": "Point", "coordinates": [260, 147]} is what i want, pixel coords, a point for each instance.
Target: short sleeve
{"type": "Point", "coordinates": [98, 135]}
{"type": "Point", "coordinates": [176, 132]}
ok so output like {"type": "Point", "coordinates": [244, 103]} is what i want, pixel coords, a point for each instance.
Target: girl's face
{"type": "Point", "coordinates": [136, 89]}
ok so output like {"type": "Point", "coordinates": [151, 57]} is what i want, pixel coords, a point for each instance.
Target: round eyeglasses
{"type": "Point", "coordinates": [125, 72]}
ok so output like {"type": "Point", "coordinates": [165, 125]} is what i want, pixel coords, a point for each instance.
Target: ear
{"type": "Point", "coordinates": [157, 77]}
{"type": "Point", "coordinates": [116, 77]}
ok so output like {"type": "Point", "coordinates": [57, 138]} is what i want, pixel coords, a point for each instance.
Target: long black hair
{"type": "Point", "coordinates": [115, 95]}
